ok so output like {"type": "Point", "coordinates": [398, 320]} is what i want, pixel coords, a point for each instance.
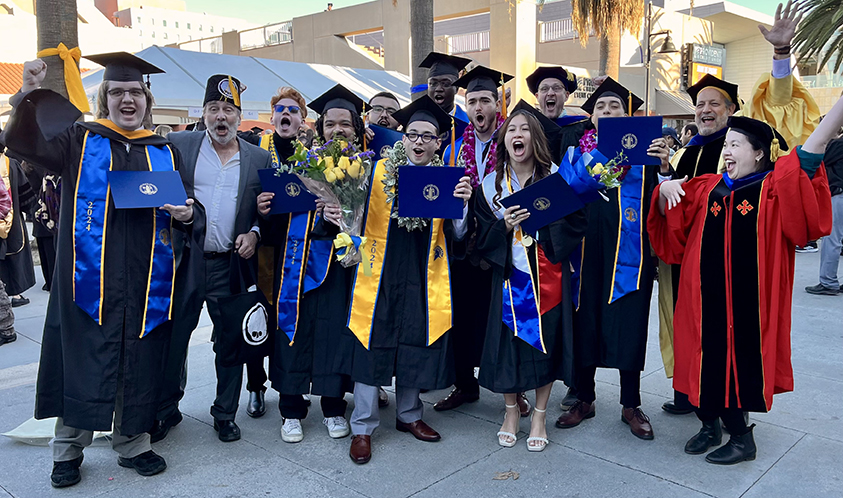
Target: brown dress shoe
{"type": "Point", "coordinates": [579, 412]}
{"type": "Point", "coordinates": [524, 405]}
{"type": "Point", "coordinates": [639, 424]}
{"type": "Point", "coordinates": [420, 430]}
{"type": "Point", "coordinates": [361, 449]}
{"type": "Point", "coordinates": [455, 399]}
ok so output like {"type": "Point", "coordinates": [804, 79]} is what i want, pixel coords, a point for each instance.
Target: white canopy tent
{"type": "Point", "coordinates": [182, 86]}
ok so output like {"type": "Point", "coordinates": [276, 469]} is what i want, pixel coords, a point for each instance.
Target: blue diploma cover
{"type": "Point", "coordinates": [632, 136]}
{"type": "Point", "coordinates": [384, 137]}
{"type": "Point", "coordinates": [146, 189]}
{"type": "Point", "coordinates": [428, 192]}
{"type": "Point", "coordinates": [291, 196]}
{"type": "Point", "coordinates": [547, 200]}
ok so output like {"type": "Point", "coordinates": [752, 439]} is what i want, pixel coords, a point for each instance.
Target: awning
{"type": "Point", "coordinates": [670, 103]}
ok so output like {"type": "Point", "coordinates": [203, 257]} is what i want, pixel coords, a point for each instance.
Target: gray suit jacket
{"type": "Point", "coordinates": [189, 246]}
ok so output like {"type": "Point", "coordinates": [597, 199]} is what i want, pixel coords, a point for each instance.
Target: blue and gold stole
{"type": "Point", "coordinates": [365, 289]}
{"type": "Point", "coordinates": [629, 252]}
{"type": "Point", "coordinates": [525, 299]}
{"type": "Point", "coordinates": [90, 214]}
{"type": "Point", "coordinates": [305, 262]}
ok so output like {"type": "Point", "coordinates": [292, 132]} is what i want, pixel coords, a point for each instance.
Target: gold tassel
{"type": "Point", "coordinates": [235, 92]}
{"type": "Point", "coordinates": [503, 96]}
{"type": "Point", "coordinates": [775, 149]}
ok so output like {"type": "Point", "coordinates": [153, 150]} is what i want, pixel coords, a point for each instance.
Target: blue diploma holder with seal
{"type": "Point", "coordinates": [146, 189]}
{"type": "Point", "coordinates": [428, 192]}
{"type": "Point", "coordinates": [291, 196]}
{"type": "Point", "coordinates": [632, 136]}
{"type": "Point", "coordinates": [547, 200]}
{"type": "Point", "coordinates": [384, 137]}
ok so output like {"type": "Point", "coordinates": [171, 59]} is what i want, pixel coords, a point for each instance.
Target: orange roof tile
{"type": "Point", "coordinates": [10, 77]}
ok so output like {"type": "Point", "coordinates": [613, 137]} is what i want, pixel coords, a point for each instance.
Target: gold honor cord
{"type": "Point", "coordinates": [72, 76]}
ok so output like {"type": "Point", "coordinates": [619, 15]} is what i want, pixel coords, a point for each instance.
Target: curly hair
{"type": "Point", "coordinates": [356, 121]}
{"type": "Point", "coordinates": [286, 92]}
{"type": "Point", "coordinates": [541, 151]}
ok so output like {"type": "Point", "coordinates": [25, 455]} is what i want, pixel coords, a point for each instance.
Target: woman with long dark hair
{"type": "Point", "coordinates": [531, 303]}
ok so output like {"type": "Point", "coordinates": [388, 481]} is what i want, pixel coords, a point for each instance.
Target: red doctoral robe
{"type": "Point", "coordinates": [736, 247]}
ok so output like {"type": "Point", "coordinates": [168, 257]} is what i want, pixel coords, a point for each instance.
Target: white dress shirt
{"type": "Point", "coordinates": [481, 148]}
{"type": "Point", "coordinates": [217, 186]}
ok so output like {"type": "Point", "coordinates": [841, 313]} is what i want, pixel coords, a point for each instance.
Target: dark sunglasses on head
{"type": "Point", "coordinates": [294, 109]}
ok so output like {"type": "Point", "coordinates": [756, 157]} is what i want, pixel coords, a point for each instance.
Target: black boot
{"type": "Point", "coordinates": [710, 435]}
{"type": "Point", "coordinates": [738, 449]}
{"type": "Point", "coordinates": [257, 404]}
{"type": "Point", "coordinates": [745, 422]}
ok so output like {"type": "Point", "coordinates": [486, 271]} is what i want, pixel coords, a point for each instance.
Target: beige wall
{"type": "Point", "coordinates": [746, 61]}
{"type": "Point", "coordinates": [826, 97]}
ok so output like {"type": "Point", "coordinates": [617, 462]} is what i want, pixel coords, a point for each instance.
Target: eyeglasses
{"type": "Point", "coordinates": [444, 83]}
{"type": "Point", "coordinates": [555, 88]}
{"type": "Point", "coordinates": [380, 109]}
{"type": "Point", "coordinates": [425, 137]}
{"type": "Point", "coordinates": [117, 93]}
{"type": "Point", "coordinates": [294, 109]}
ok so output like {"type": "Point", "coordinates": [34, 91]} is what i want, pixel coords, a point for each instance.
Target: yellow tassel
{"type": "Point", "coordinates": [235, 92]}
{"type": "Point", "coordinates": [503, 96]}
{"type": "Point", "coordinates": [775, 151]}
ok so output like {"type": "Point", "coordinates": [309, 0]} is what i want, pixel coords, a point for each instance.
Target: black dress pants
{"type": "Point", "coordinates": [630, 386]}
{"type": "Point", "coordinates": [294, 406]}
{"type": "Point", "coordinates": [733, 418]}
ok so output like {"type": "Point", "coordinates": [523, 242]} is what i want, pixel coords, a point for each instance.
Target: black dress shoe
{"type": "Point", "coordinates": [738, 449]}
{"type": "Point", "coordinates": [228, 430]}
{"type": "Point", "coordinates": [66, 473]}
{"type": "Point", "coordinates": [257, 404]}
{"type": "Point", "coordinates": [162, 427]}
{"type": "Point", "coordinates": [19, 301]}
{"type": "Point", "coordinates": [455, 399]}
{"type": "Point", "coordinates": [676, 409]}
{"type": "Point", "coordinates": [145, 464]}
{"type": "Point", "coordinates": [710, 435]}
{"type": "Point", "coordinates": [5, 339]}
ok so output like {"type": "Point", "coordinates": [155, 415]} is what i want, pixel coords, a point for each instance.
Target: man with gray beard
{"type": "Point", "coordinates": [221, 174]}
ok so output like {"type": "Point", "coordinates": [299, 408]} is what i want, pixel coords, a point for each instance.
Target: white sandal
{"type": "Point", "coordinates": [503, 442]}
{"type": "Point", "coordinates": [537, 447]}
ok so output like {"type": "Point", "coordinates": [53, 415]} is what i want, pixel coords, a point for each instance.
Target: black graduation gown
{"type": "Point", "coordinates": [509, 364]}
{"type": "Point", "coordinates": [308, 364]}
{"type": "Point", "coordinates": [81, 360]}
{"type": "Point", "coordinates": [398, 346]}
{"type": "Point", "coordinates": [612, 335]}
{"type": "Point", "coordinates": [16, 267]}
{"type": "Point", "coordinates": [570, 136]}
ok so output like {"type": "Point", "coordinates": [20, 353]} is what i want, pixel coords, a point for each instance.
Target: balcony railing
{"type": "Point", "coordinates": [264, 36]}
{"type": "Point", "coordinates": [560, 29]}
{"type": "Point", "coordinates": [469, 42]}
{"type": "Point", "coordinates": [823, 81]}
{"type": "Point", "coordinates": [206, 45]}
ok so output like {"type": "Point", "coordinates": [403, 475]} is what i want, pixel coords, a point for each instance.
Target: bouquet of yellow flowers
{"type": "Point", "coordinates": [338, 173]}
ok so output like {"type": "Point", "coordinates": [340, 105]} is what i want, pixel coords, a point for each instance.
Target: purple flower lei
{"type": "Point", "coordinates": [469, 153]}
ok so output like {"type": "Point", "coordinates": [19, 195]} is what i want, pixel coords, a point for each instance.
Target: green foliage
{"type": "Point", "coordinates": [821, 32]}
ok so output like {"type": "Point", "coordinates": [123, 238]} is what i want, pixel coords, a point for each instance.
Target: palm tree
{"type": "Point", "coordinates": [607, 19]}
{"type": "Point", "coordinates": [821, 32]}
{"type": "Point", "coordinates": [421, 33]}
{"type": "Point", "coordinates": [56, 23]}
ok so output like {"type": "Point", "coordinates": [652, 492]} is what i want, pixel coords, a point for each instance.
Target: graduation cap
{"type": "Point", "coordinates": [482, 78]}
{"type": "Point", "coordinates": [567, 78]}
{"type": "Point", "coordinates": [552, 131]}
{"type": "Point", "coordinates": [762, 131]}
{"type": "Point", "coordinates": [223, 88]}
{"type": "Point", "coordinates": [424, 109]}
{"type": "Point", "coordinates": [729, 90]}
{"type": "Point", "coordinates": [338, 97]}
{"type": "Point", "coordinates": [611, 88]}
{"type": "Point", "coordinates": [444, 64]}
{"type": "Point", "coordinates": [123, 66]}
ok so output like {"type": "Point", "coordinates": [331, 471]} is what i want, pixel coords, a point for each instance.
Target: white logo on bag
{"type": "Point", "coordinates": [254, 325]}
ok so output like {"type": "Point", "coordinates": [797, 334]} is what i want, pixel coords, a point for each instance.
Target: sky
{"type": "Point", "coordinates": [270, 11]}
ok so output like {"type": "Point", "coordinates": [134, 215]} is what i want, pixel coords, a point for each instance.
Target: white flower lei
{"type": "Point", "coordinates": [396, 157]}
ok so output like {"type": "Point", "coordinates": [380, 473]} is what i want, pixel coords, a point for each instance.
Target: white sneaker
{"type": "Point", "coordinates": [291, 431]}
{"type": "Point", "coordinates": [337, 427]}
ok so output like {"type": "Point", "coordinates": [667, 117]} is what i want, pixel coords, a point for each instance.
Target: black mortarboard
{"type": "Point", "coordinates": [552, 131]}
{"type": "Point", "coordinates": [123, 66]}
{"type": "Point", "coordinates": [728, 89]}
{"type": "Point", "coordinates": [223, 88]}
{"type": "Point", "coordinates": [482, 78]}
{"type": "Point", "coordinates": [567, 78]}
{"type": "Point", "coordinates": [424, 109]}
{"type": "Point", "coordinates": [763, 132]}
{"type": "Point", "coordinates": [441, 64]}
{"type": "Point", "coordinates": [611, 88]}
{"type": "Point", "coordinates": [338, 97]}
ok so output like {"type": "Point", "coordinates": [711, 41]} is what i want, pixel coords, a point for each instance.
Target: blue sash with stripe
{"type": "Point", "coordinates": [89, 235]}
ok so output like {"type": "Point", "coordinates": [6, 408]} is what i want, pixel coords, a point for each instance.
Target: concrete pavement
{"type": "Point", "coordinates": [799, 442]}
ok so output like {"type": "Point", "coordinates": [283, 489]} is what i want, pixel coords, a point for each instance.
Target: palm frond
{"type": "Point", "coordinates": [821, 32]}
{"type": "Point", "coordinates": [599, 15]}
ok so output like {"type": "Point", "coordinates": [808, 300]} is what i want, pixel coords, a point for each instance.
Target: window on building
{"type": "Point", "coordinates": [212, 29]}
{"type": "Point", "coordinates": [164, 23]}
{"type": "Point", "coordinates": [188, 25]}
{"type": "Point", "coordinates": [153, 34]}
{"type": "Point", "coordinates": [152, 21]}
{"type": "Point", "coordinates": [200, 27]}
{"type": "Point", "coordinates": [178, 37]}
{"type": "Point", "coordinates": [189, 37]}
{"type": "Point", "coordinates": [165, 36]}
{"type": "Point", "coordinates": [177, 24]}
{"type": "Point", "coordinates": [139, 19]}
{"type": "Point", "coordinates": [140, 32]}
